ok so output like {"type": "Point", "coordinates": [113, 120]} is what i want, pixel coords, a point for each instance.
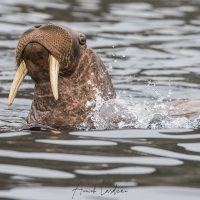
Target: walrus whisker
{"type": "Point", "coordinates": [54, 67]}
{"type": "Point", "coordinates": [19, 77]}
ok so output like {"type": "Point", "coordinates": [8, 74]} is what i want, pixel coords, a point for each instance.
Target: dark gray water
{"type": "Point", "coordinates": [151, 49]}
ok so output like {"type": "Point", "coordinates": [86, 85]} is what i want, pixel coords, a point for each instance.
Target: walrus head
{"type": "Point", "coordinates": [67, 74]}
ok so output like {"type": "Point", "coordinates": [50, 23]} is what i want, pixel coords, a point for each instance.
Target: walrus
{"type": "Point", "coordinates": [69, 80]}
{"type": "Point", "coordinates": [68, 76]}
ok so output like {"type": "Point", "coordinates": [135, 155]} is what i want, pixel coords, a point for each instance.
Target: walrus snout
{"type": "Point", "coordinates": [36, 58]}
{"type": "Point", "coordinates": [60, 41]}
{"type": "Point", "coordinates": [53, 43]}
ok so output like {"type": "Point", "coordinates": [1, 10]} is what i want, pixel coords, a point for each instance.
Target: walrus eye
{"type": "Point", "coordinates": [37, 26]}
{"type": "Point", "coordinates": [82, 39]}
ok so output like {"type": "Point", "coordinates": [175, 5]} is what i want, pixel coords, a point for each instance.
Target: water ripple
{"type": "Point", "coordinates": [34, 172]}
{"type": "Point", "coordinates": [78, 142]}
{"type": "Point", "coordinates": [91, 159]}
{"type": "Point", "coordinates": [13, 134]}
{"type": "Point", "coordinates": [165, 153]}
{"type": "Point", "coordinates": [119, 171]}
{"type": "Point", "coordinates": [161, 134]}
{"type": "Point", "coordinates": [191, 146]}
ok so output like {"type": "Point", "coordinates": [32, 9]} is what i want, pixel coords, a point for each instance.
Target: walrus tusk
{"type": "Point", "coordinates": [19, 77]}
{"type": "Point", "coordinates": [54, 71]}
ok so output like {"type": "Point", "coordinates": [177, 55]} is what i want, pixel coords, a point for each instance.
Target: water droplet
{"type": "Point", "coordinates": [89, 82]}
{"type": "Point", "coordinates": [89, 103]}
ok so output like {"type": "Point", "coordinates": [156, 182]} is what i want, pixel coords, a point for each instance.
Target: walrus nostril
{"type": "Point", "coordinates": [82, 39]}
{"type": "Point", "coordinates": [37, 26]}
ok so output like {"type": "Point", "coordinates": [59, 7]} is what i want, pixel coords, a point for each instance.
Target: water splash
{"type": "Point", "coordinates": [118, 113]}
{"type": "Point", "coordinates": [87, 125]}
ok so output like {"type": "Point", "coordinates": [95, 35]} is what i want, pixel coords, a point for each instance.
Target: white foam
{"type": "Point", "coordinates": [118, 113]}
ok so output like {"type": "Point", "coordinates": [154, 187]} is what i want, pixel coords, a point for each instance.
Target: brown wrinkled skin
{"type": "Point", "coordinates": [80, 73]}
